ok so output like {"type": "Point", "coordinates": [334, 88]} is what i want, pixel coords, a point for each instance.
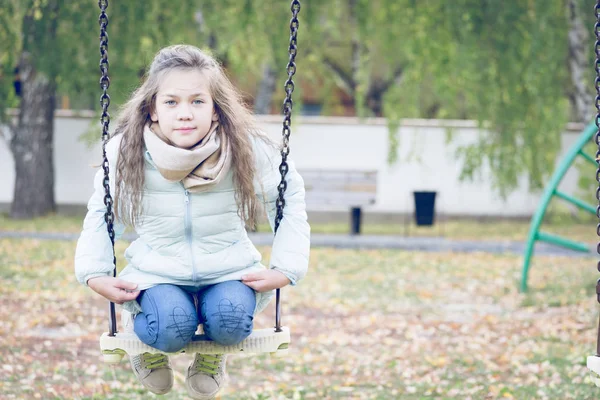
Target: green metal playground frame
{"type": "Point", "coordinates": [551, 191]}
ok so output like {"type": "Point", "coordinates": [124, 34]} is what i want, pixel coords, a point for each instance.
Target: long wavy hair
{"type": "Point", "coordinates": [235, 119]}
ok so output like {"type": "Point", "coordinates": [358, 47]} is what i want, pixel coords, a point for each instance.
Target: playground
{"type": "Point", "coordinates": [490, 293]}
{"type": "Point", "coordinates": [366, 324]}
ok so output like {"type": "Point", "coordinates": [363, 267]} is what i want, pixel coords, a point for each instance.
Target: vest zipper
{"type": "Point", "coordinates": [188, 231]}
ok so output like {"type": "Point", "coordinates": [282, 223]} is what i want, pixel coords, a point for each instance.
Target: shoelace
{"type": "Point", "coordinates": [208, 363]}
{"type": "Point", "coordinates": [153, 361]}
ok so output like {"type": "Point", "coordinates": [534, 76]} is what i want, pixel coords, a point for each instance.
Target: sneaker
{"type": "Point", "coordinates": [153, 371]}
{"type": "Point", "coordinates": [206, 376]}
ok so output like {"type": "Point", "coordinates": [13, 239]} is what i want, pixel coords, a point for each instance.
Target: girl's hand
{"type": "Point", "coordinates": [266, 280]}
{"type": "Point", "coordinates": [116, 290]}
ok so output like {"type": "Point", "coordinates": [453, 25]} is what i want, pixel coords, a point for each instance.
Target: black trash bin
{"type": "Point", "coordinates": [424, 208]}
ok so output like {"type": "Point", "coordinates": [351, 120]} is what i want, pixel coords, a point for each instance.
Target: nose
{"type": "Point", "coordinates": [184, 112]}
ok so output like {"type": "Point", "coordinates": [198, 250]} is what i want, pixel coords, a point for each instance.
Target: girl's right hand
{"type": "Point", "coordinates": [114, 289]}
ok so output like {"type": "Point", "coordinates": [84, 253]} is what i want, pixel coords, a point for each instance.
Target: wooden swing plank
{"type": "Point", "coordinates": [593, 364]}
{"type": "Point", "coordinates": [260, 341]}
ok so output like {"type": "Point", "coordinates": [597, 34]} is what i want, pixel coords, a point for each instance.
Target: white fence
{"type": "Point", "coordinates": [426, 162]}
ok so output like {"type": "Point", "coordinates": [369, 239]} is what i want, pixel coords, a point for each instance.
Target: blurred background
{"type": "Point", "coordinates": [473, 100]}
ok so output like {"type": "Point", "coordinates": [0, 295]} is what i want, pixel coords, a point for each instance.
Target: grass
{"type": "Point", "coordinates": [379, 325]}
{"type": "Point", "coordinates": [463, 229]}
{"type": "Point", "coordinates": [50, 223]}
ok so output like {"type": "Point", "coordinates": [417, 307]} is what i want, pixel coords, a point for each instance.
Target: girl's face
{"type": "Point", "coordinates": [184, 108]}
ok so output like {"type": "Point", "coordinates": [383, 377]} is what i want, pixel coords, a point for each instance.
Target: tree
{"type": "Point", "coordinates": [581, 98]}
{"type": "Point", "coordinates": [502, 64]}
{"type": "Point", "coordinates": [519, 68]}
{"type": "Point", "coordinates": [53, 45]}
{"type": "Point", "coordinates": [362, 50]}
{"type": "Point", "coordinates": [30, 140]}
{"type": "Point", "coordinates": [507, 65]}
{"type": "Point", "coordinates": [253, 38]}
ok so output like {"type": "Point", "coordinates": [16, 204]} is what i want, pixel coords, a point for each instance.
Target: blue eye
{"type": "Point", "coordinates": [170, 102]}
{"type": "Point", "coordinates": [198, 102]}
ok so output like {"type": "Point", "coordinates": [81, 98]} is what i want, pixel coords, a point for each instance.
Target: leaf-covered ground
{"type": "Point", "coordinates": [365, 325]}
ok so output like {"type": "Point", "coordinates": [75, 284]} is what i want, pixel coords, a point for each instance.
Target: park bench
{"type": "Point", "coordinates": [335, 188]}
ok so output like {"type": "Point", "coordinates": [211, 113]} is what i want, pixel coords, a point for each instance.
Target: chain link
{"type": "Point", "coordinates": [105, 117]}
{"type": "Point", "coordinates": [105, 121]}
{"type": "Point", "coordinates": [287, 110]}
{"type": "Point", "coordinates": [597, 136]}
{"type": "Point", "coordinates": [285, 149]}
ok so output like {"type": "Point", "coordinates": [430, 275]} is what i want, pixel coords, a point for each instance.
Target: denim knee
{"type": "Point", "coordinates": [228, 326]}
{"type": "Point", "coordinates": [226, 310]}
{"type": "Point", "coordinates": [168, 320]}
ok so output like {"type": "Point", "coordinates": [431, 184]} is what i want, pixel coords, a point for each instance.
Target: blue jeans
{"type": "Point", "coordinates": [169, 316]}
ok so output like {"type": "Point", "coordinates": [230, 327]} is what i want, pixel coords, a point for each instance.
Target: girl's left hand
{"type": "Point", "coordinates": [266, 280]}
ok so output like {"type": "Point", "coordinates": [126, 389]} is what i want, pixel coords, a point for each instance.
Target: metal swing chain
{"type": "Point", "coordinates": [287, 121]}
{"type": "Point", "coordinates": [105, 121]}
{"type": "Point", "coordinates": [597, 140]}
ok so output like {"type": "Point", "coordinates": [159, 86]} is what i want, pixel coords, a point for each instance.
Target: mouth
{"type": "Point", "coordinates": [185, 129]}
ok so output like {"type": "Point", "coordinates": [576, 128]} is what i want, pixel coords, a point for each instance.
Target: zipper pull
{"type": "Point", "coordinates": [187, 197]}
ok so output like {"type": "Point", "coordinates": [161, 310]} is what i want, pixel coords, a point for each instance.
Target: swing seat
{"type": "Point", "coordinates": [114, 345]}
{"type": "Point", "coordinates": [260, 341]}
{"type": "Point", "coordinates": [593, 364]}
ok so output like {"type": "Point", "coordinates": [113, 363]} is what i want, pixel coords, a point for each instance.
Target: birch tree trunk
{"type": "Point", "coordinates": [32, 145]}
{"type": "Point", "coordinates": [582, 99]}
{"type": "Point", "coordinates": [264, 95]}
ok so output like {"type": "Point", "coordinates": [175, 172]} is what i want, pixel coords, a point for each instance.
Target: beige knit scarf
{"type": "Point", "coordinates": [198, 168]}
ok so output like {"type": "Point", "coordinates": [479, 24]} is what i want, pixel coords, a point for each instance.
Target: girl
{"type": "Point", "coordinates": [188, 171]}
